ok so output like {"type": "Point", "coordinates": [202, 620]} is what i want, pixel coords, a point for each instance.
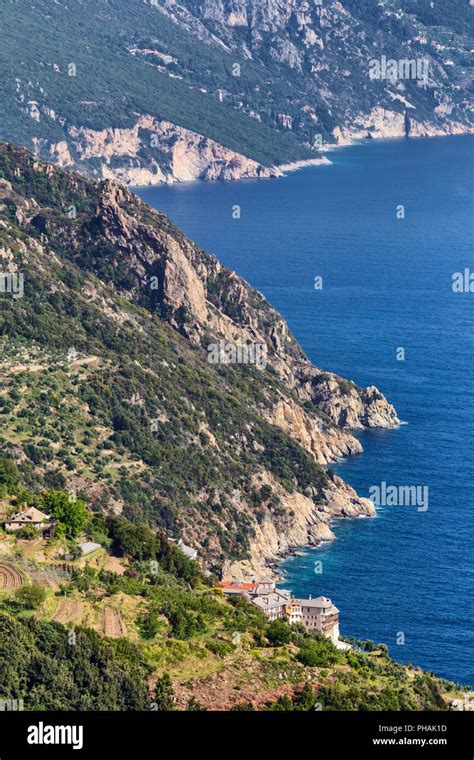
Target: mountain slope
{"type": "Point", "coordinates": [111, 384]}
{"type": "Point", "coordinates": [220, 89]}
{"type": "Point", "coordinates": [326, 47]}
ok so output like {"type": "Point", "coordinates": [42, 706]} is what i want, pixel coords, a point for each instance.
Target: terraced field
{"type": "Point", "coordinates": [68, 610]}
{"type": "Point", "coordinates": [10, 577]}
{"type": "Point", "coordinates": [112, 624]}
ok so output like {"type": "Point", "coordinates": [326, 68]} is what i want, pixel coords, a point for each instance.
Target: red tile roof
{"type": "Point", "coordinates": [236, 586]}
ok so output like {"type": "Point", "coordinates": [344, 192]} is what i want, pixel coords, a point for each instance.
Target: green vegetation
{"type": "Point", "coordinates": [31, 597]}
{"type": "Point", "coordinates": [78, 418]}
{"type": "Point", "coordinates": [54, 667]}
{"type": "Point", "coordinates": [181, 632]}
{"type": "Point", "coordinates": [70, 511]}
{"type": "Point", "coordinates": [111, 84]}
{"type": "Point", "coordinates": [9, 476]}
{"type": "Point", "coordinates": [164, 695]}
{"type": "Point", "coordinates": [321, 653]}
{"type": "Point", "coordinates": [146, 629]}
{"type": "Point", "coordinates": [278, 633]}
{"type": "Point", "coordinates": [47, 668]}
{"type": "Point", "coordinates": [139, 543]}
{"type": "Point", "coordinates": [127, 58]}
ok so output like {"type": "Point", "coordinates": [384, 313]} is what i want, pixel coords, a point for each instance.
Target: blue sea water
{"type": "Point", "coordinates": [387, 284]}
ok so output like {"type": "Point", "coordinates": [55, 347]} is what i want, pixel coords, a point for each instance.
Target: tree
{"type": "Point", "coordinates": [70, 512]}
{"type": "Point", "coordinates": [164, 694]}
{"type": "Point", "coordinates": [150, 624]}
{"type": "Point", "coordinates": [136, 541]}
{"type": "Point", "coordinates": [278, 633]}
{"type": "Point", "coordinates": [31, 597]}
{"type": "Point", "coordinates": [9, 476]}
{"type": "Point", "coordinates": [322, 653]}
{"type": "Point", "coordinates": [305, 699]}
{"type": "Point", "coordinates": [41, 667]}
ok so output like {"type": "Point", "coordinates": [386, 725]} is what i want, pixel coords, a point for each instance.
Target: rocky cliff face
{"type": "Point", "coordinates": [229, 455]}
{"type": "Point", "coordinates": [219, 301]}
{"type": "Point", "coordinates": [309, 526]}
{"type": "Point", "coordinates": [152, 152]}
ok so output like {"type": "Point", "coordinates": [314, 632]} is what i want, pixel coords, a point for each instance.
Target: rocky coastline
{"type": "Point", "coordinates": [318, 410]}
{"type": "Point", "coordinates": [155, 152]}
{"type": "Point", "coordinates": [295, 419]}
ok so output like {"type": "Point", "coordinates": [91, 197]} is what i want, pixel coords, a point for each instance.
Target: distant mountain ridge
{"type": "Point", "coordinates": [161, 91]}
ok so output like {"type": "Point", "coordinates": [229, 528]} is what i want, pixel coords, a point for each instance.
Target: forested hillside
{"type": "Point", "coordinates": [138, 626]}
{"type": "Point", "coordinates": [108, 388]}
{"type": "Point", "coordinates": [134, 89]}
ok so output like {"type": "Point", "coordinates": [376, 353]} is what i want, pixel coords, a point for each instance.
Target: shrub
{"type": "Point", "coordinates": [31, 597]}
{"type": "Point", "coordinates": [9, 476]}
{"type": "Point", "coordinates": [220, 647]}
{"type": "Point", "coordinates": [278, 633]}
{"type": "Point", "coordinates": [27, 532]}
{"type": "Point", "coordinates": [320, 653]}
{"type": "Point", "coordinates": [164, 694]}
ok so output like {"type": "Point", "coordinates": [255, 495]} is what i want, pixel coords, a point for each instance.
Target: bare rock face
{"type": "Point", "coordinates": [144, 123]}
{"type": "Point", "coordinates": [219, 301]}
{"type": "Point", "coordinates": [384, 122]}
{"type": "Point", "coordinates": [345, 403]}
{"type": "Point", "coordinates": [153, 152]}
{"type": "Point", "coordinates": [326, 441]}
{"type": "Point", "coordinates": [308, 525]}
{"type": "Point", "coordinates": [342, 501]}
{"type": "Point", "coordinates": [318, 39]}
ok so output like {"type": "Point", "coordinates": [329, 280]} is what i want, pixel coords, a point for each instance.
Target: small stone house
{"type": "Point", "coordinates": [34, 517]}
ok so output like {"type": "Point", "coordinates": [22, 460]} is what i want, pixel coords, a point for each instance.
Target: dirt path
{"type": "Point", "coordinates": [115, 565]}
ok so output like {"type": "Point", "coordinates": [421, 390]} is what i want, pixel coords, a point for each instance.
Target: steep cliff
{"type": "Point", "coordinates": [130, 373]}
{"type": "Point", "coordinates": [153, 152]}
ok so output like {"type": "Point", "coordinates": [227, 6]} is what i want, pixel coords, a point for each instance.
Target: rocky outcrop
{"type": "Point", "coordinates": [309, 524]}
{"type": "Point", "coordinates": [381, 122]}
{"type": "Point", "coordinates": [325, 440]}
{"type": "Point", "coordinates": [345, 403]}
{"type": "Point", "coordinates": [155, 152]}
{"type": "Point", "coordinates": [218, 300]}
{"type": "Point", "coordinates": [152, 152]}
{"type": "Point", "coordinates": [315, 408]}
{"type": "Point", "coordinates": [317, 40]}
{"type": "Point", "coordinates": [229, 89]}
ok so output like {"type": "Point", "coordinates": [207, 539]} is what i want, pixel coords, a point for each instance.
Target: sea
{"type": "Point", "coordinates": [369, 261]}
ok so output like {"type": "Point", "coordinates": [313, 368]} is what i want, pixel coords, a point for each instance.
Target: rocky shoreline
{"type": "Point", "coordinates": [313, 513]}
{"type": "Point", "coordinates": [298, 418]}
{"type": "Point", "coordinates": [155, 152]}
{"type": "Point", "coordinates": [318, 410]}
